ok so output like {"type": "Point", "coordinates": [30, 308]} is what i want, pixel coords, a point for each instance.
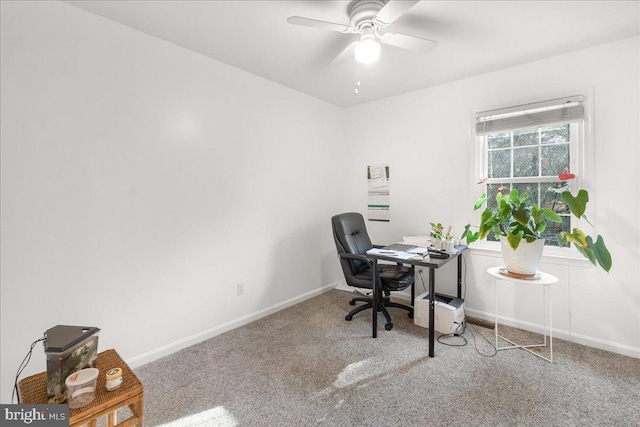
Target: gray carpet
{"type": "Point", "coordinates": [306, 366]}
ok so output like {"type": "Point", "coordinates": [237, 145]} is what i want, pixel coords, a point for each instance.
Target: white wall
{"type": "Point", "coordinates": [425, 137]}
{"type": "Point", "coordinates": [142, 181]}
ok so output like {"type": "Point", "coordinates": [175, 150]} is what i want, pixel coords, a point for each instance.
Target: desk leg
{"type": "Point", "coordinates": [413, 286]}
{"type": "Point", "coordinates": [374, 310]}
{"type": "Point", "coordinates": [432, 313]}
{"type": "Point", "coordinates": [460, 276]}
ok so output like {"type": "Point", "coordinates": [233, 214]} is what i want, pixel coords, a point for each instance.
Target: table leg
{"type": "Point", "coordinates": [432, 313]}
{"type": "Point", "coordinates": [546, 299]}
{"type": "Point", "coordinates": [550, 329]}
{"type": "Point", "coordinates": [137, 409]}
{"type": "Point", "coordinates": [495, 291]}
{"type": "Point", "coordinates": [413, 286]}
{"type": "Point", "coordinates": [374, 310]}
{"type": "Point", "coordinates": [112, 419]}
{"type": "Point", "coordinates": [460, 276]}
{"type": "Point", "coordinates": [544, 311]}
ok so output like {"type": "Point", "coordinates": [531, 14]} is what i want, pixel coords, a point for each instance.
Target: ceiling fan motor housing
{"type": "Point", "coordinates": [362, 12]}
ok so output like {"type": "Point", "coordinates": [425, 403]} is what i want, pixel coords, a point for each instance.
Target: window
{"type": "Point", "coordinates": [525, 147]}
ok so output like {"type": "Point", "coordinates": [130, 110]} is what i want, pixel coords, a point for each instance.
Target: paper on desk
{"type": "Point", "coordinates": [420, 250]}
{"type": "Point", "coordinates": [392, 254]}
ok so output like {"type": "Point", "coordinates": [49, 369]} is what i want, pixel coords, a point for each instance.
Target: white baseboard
{"type": "Point", "coordinates": [613, 347]}
{"type": "Point", "coordinates": [170, 348]}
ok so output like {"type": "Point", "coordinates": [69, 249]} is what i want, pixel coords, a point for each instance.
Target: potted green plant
{"type": "Point", "coordinates": [436, 230]}
{"type": "Point", "coordinates": [440, 239]}
{"type": "Point", "coordinates": [515, 219]}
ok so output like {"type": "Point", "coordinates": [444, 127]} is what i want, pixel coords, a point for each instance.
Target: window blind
{"type": "Point", "coordinates": [563, 110]}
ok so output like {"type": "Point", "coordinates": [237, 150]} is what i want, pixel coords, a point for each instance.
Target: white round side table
{"type": "Point", "coordinates": [541, 279]}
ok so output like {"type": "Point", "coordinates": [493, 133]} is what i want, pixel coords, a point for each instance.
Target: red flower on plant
{"type": "Point", "coordinates": [565, 175]}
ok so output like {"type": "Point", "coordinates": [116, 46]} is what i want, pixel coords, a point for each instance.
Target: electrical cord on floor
{"type": "Point", "coordinates": [464, 341]}
{"type": "Point", "coordinates": [453, 344]}
{"type": "Point", "coordinates": [23, 365]}
{"type": "Point", "coordinates": [475, 341]}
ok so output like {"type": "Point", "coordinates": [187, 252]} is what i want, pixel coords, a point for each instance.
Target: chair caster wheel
{"type": "Point", "coordinates": [388, 326]}
{"type": "Point", "coordinates": [410, 315]}
{"type": "Point", "coordinates": [348, 317]}
{"type": "Point", "coordinates": [352, 302]}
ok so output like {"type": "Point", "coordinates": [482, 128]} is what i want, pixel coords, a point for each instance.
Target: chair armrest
{"type": "Point", "coordinates": [357, 257]}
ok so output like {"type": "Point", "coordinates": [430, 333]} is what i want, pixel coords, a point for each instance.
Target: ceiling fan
{"type": "Point", "coordinates": [368, 18]}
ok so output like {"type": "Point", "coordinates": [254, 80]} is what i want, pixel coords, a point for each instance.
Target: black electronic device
{"type": "Point", "coordinates": [435, 253]}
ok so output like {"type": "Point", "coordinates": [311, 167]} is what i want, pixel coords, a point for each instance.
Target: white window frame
{"type": "Point", "coordinates": [581, 164]}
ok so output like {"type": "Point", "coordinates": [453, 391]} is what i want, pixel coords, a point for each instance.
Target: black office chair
{"type": "Point", "coordinates": [352, 243]}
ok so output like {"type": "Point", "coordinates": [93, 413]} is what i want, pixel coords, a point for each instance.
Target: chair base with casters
{"type": "Point", "coordinates": [382, 307]}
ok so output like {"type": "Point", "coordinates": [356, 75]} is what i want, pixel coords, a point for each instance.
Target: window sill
{"type": "Point", "coordinates": [572, 258]}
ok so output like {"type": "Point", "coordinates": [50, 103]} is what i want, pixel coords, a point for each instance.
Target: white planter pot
{"type": "Point", "coordinates": [436, 243]}
{"type": "Point", "coordinates": [526, 259]}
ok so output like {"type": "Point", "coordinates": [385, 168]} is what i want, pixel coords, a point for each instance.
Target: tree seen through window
{"type": "Point", "coordinates": [529, 160]}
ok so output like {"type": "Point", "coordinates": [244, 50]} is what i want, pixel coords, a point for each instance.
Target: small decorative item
{"type": "Point", "coordinates": [436, 235]}
{"type": "Point", "coordinates": [114, 379]}
{"type": "Point", "coordinates": [440, 239]}
{"type": "Point", "coordinates": [449, 246]}
{"type": "Point", "coordinates": [81, 387]}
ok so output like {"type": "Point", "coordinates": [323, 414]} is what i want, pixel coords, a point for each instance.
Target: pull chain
{"type": "Point", "coordinates": [355, 91]}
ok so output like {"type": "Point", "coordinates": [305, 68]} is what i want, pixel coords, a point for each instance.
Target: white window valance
{"type": "Point", "coordinates": [562, 110]}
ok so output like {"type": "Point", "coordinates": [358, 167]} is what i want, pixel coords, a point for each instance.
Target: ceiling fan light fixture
{"type": "Point", "coordinates": [367, 50]}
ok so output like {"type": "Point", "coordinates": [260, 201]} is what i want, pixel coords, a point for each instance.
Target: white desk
{"type": "Point", "coordinates": [545, 280]}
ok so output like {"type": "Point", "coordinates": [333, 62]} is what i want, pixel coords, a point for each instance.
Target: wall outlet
{"type": "Point", "coordinates": [240, 289]}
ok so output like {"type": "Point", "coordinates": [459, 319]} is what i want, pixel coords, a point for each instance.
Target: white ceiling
{"type": "Point", "coordinates": [474, 37]}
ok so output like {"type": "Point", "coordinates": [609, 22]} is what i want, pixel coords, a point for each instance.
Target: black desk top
{"type": "Point", "coordinates": [430, 263]}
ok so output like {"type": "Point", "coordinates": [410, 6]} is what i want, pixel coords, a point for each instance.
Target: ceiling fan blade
{"type": "Point", "coordinates": [408, 42]}
{"type": "Point", "coordinates": [345, 55]}
{"type": "Point", "coordinates": [393, 10]}
{"type": "Point", "coordinates": [308, 22]}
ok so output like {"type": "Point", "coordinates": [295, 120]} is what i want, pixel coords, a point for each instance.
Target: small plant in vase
{"type": "Point", "coordinates": [449, 234]}
{"type": "Point", "coordinates": [516, 218]}
{"type": "Point", "coordinates": [436, 235]}
{"type": "Point", "coordinates": [436, 230]}
{"type": "Point", "coordinates": [439, 237]}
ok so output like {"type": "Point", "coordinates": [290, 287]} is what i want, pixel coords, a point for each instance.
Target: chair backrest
{"type": "Point", "coordinates": [350, 235]}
